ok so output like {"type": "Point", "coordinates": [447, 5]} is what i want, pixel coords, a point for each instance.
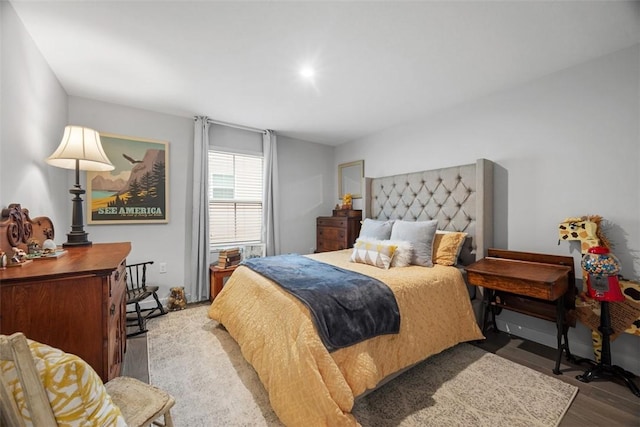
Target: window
{"type": "Point", "coordinates": [235, 198]}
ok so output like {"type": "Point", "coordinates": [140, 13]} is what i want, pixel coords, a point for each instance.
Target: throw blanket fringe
{"type": "Point", "coordinates": [347, 307]}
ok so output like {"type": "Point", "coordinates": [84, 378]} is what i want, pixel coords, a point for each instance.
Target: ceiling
{"type": "Point", "coordinates": [378, 64]}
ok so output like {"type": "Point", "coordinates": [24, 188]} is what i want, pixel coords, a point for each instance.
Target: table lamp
{"type": "Point", "coordinates": [80, 149]}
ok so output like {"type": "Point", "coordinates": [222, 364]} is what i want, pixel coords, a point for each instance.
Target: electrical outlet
{"type": "Point", "coordinates": [163, 267]}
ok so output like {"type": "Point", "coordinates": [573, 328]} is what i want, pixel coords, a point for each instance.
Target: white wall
{"type": "Point", "coordinates": [240, 140]}
{"type": "Point", "coordinates": [306, 175]}
{"type": "Point", "coordinates": [34, 113]}
{"type": "Point", "coordinates": [162, 243]}
{"type": "Point", "coordinates": [564, 145]}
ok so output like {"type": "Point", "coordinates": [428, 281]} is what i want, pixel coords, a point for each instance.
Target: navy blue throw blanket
{"type": "Point", "coordinates": [347, 307]}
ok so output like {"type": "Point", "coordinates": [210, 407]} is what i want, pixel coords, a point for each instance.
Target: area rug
{"type": "Point", "coordinates": [197, 361]}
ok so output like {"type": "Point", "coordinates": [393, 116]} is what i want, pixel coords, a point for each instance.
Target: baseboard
{"type": "Point", "coordinates": [623, 349]}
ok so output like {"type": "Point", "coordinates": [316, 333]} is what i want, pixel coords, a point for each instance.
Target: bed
{"type": "Point", "coordinates": [310, 385]}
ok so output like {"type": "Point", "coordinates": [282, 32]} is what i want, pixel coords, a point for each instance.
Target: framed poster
{"type": "Point", "coordinates": [137, 190]}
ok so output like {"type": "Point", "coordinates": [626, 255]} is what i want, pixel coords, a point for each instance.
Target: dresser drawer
{"type": "Point", "coordinates": [330, 245]}
{"type": "Point", "coordinates": [330, 233]}
{"type": "Point", "coordinates": [338, 222]}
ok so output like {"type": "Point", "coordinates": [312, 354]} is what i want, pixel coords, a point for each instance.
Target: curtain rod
{"type": "Point", "coordinates": [231, 125]}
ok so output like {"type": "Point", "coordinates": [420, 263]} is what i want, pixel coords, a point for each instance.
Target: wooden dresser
{"type": "Point", "coordinates": [75, 302]}
{"type": "Point", "coordinates": [339, 231]}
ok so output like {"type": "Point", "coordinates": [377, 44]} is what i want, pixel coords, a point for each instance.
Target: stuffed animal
{"type": "Point", "coordinates": [587, 229]}
{"type": "Point", "coordinates": [177, 299]}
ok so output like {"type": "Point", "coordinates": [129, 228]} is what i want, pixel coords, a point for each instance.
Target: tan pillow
{"type": "Point", "coordinates": [447, 247]}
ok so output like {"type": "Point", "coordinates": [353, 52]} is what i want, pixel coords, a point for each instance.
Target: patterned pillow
{"type": "Point", "coordinates": [447, 246]}
{"type": "Point", "coordinates": [372, 252]}
{"type": "Point", "coordinates": [76, 393]}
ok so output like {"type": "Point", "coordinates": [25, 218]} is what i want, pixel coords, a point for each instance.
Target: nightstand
{"type": "Point", "coordinates": [216, 279]}
{"type": "Point", "coordinates": [538, 285]}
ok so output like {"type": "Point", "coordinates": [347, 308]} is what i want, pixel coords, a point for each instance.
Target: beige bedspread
{"type": "Point", "coordinates": [307, 385]}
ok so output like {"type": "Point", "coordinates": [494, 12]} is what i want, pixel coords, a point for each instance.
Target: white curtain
{"type": "Point", "coordinates": [270, 198]}
{"type": "Point", "coordinates": [199, 254]}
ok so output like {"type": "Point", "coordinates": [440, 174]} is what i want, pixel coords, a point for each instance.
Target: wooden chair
{"type": "Point", "coordinates": [140, 404]}
{"type": "Point", "coordinates": [137, 292]}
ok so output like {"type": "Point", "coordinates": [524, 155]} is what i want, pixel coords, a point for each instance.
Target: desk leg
{"type": "Point", "coordinates": [560, 333]}
{"type": "Point", "coordinates": [487, 298]}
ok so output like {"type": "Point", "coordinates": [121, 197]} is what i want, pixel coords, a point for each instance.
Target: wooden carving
{"type": "Point", "coordinates": [17, 228]}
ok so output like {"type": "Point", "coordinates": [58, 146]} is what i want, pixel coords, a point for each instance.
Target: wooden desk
{"type": "Point", "coordinates": [216, 279]}
{"type": "Point", "coordinates": [527, 283]}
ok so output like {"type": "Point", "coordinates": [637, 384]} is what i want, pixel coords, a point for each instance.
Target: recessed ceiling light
{"type": "Point", "coordinates": [307, 72]}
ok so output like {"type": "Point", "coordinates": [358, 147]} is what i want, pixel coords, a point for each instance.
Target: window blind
{"type": "Point", "coordinates": [235, 198]}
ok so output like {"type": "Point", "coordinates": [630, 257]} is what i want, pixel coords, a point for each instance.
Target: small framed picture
{"type": "Point", "coordinates": [256, 250]}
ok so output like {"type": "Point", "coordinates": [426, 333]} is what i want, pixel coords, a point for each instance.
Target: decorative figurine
{"type": "Point", "coordinates": [48, 246]}
{"type": "Point", "coordinates": [346, 201]}
{"type": "Point", "coordinates": [33, 247]}
{"type": "Point", "coordinates": [19, 255]}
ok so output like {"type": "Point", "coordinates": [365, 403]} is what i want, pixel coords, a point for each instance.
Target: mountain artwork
{"type": "Point", "coordinates": [136, 190]}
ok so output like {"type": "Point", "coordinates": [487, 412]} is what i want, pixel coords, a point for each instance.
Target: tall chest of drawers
{"type": "Point", "coordinates": [339, 231]}
{"type": "Point", "coordinates": [75, 303]}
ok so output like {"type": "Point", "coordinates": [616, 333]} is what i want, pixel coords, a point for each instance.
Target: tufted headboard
{"type": "Point", "coordinates": [459, 197]}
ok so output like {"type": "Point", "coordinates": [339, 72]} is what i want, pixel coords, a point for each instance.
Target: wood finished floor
{"type": "Point", "coordinates": [599, 403]}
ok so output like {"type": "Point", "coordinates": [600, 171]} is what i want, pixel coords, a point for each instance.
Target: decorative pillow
{"type": "Point", "coordinates": [77, 395]}
{"type": "Point", "coordinates": [447, 246]}
{"type": "Point", "coordinates": [376, 253]}
{"type": "Point", "coordinates": [404, 253]}
{"type": "Point", "coordinates": [420, 234]}
{"type": "Point", "coordinates": [374, 229]}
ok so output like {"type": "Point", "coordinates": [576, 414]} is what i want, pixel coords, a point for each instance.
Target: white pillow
{"type": "Point", "coordinates": [403, 255]}
{"type": "Point", "coordinates": [420, 234]}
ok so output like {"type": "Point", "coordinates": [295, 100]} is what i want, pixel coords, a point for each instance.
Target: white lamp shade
{"type": "Point", "coordinates": [83, 144]}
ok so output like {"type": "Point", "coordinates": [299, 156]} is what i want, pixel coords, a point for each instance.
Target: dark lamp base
{"type": "Point", "coordinates": [77, 239]}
